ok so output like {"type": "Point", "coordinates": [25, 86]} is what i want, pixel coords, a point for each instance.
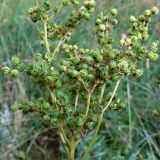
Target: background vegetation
{"type": "Point", "coordinates": [131, 134]}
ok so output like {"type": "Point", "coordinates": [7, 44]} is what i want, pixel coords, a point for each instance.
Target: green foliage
{"type": "Point", "coordinates": [82, 71]}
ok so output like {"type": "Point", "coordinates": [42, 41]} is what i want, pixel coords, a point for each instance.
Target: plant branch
{"type": "Point", "coordinates": [102, 92]}
{"type": "Point", "coordinates": [99, 122]}
{"type": "Point", "coordinates": [46, 36]}
{"type": "Point", "coordinates": [93, 138]}
{"type": "Point", "coordinates": [113, 94]}
{"type": "Point", "coordinates": [76, 99]}
{"type": "Point", "coordinates": [54, 14]}
{"type": "Point", "coordinates": [89, 96]}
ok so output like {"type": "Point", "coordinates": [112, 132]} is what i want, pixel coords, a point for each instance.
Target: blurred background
{"type": "Point", "coordinates": [131, 134]}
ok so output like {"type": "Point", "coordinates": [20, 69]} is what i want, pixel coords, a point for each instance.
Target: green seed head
{"type": "Point", "coordinates": [132, 19]}
{"type": "Point", "coordinates": [6, 69]}
{"type": "Point", "coordinates": [15, 60]}
{"type": "Point", "coordinates": [122, 42]}
{"type": "Point", "coordinates": [102, 27]}
{"type": "Point", "coordinates": [154, 10]}
{"type": "Point", "coordinates": [138, 73]}
{"type": "Point", "coordinates": [46, 117]}
{"type": "Point", "coordinates": [147, 12]}
{"type": "Point", "coordinates": [114, 12]}
{"type": "Point", "coordinates": [14, 73]}
{"type": "Point", "coordinates": [14, 108]}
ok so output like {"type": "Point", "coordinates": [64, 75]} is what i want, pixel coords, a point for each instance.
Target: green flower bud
{"type": "Point", "coordinates": [14, 73]}
{"type": "Point", "coordinates": [112, 65]}
{"type": "Point", "coordinates": [6, 69]}
{"type": "Point", "coordinates": [95, 53]}
{"type": "Point", "coordinates": [15, 60]}
{"type": "Point", "coordinates": [152, 56]}
{"type": "Point", "coordinates": [58, 84]}
{"type": "Point", "coordinates": [110, 40]}
{"type": "Point", "coordinates": [104, 73]}
{"type": "Point", "coordinates": [94, 117]}
{"type": "Point", "coordinates": [14, 108]}
{"type": "Point", "coordinates": [138, 72]}
{"type": "Point", "coordinates": [99, 58]}
{"type": "Point", "coordinates": [154, 47]}
{"type": "Point", "coordinates": [47, 4]}
{"type": "Point", "coordinates": [114, 21]}
{"type": "Point", "coordinates": [123, 64]}
{"type": "Point", "coordinates": [98, 21]}
{"type": "Point", "coordinates": [21, 67]}
{"type": "Point", "coordinates": [102, 27]}
{"type": "Point", "coordinates": [111, 55]}
{"type": "Point", "coordinates": [46, 117]}
{"type": "Point", "coordinates": [84, 66]}
{"type": "Point", "coordinates": [147, 12]}
{"type": "Point", "coordinates": [91, 77]}
{"type": "Point", "coordinates": [139, 36]}
{"type": "Point", "coordinates": [141, 18]}
{"type": "Point", "coordinates": [143, 49]}
{"type": "Point", "coordinates": [114, 77]}
{"type": "Point", "coordinates": [154, 10]}
{"type": "Point", "coordinates": [122, 42]}
{"type": "Point", "coordinates": [39, 56]}
{"type": "Point", "coordinates": [134, 39]}
{"type": "Point", "coordinates": [92, 3]}
{"type": "Point", "coordinates": [75, 2]}
{"type": "Point", "coordinates": [83, 73]}
{"type": "Point", "coordinates": [50, 78]}
{"type": "Point", "coordinates": [89, 59]}
{"type": "Point", "coordinates": [114, 12]}
{"type": "Point", "coordinates": [128, 40]}
{"type": "Point", "coordinates": [73, 73]}
{"type": "Point", "coordinates": [65, 2]}
{"type": "Point", "coordinates": [75, 59]}
{"type": "Point", "coordinates": [80, 121]}
{"type": "Point", "coordinates": [132, 19]}
{"type": "Point", "coordinates": [45, 105]}
{"type": "Point", "coordinates": [145, 36]}
{"type": "Point", "coordinates": [53, 120]}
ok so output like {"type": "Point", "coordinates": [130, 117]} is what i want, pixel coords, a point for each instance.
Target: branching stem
{"type": "Point", "coordinates": [46, 36]}
{"type": "Point", "coordinates": [99, 122]}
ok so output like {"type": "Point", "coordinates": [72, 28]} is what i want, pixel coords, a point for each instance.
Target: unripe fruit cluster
{"type": "Point", "coordinates": [76, 79]}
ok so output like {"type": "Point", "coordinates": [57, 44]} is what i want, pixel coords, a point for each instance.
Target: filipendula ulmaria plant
{"type": "Point", "coordinates": [77, 77]}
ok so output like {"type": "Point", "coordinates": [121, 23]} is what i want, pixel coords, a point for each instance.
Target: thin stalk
{"type": "Point", "coordinates": [46, 36]}
{"type": "Point", "coordinates": [113, 94]}
{"type": "Point", "coordinates": [64, 134]}
{"type": "Point", "coordinates": [86, 154]}
{"type": "Point", "coordinates": [76, 100]}
{"type": "Point", "coordinates": [102, 92]}
{"type": "Point", "coordinates": [88, 103]}
{"type": "Point", "coordinates": [54, 14]}
{"type": "Point", "coordinates": [93, 138]}
{"type": "Point", "coordinates": [129, 114]}
{"type": "Point", "coordinates": [37, 2]}
{"type": "Point", "coordinates": [64, 142]}
{"type": "Point", "coordinates": [57, 48]}
{"type": "Point", "coordinates": [89, 96]}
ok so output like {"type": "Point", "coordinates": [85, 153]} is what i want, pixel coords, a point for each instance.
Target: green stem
{"type": "Point", "coordinates": [76, 100]}
{"type": "Point", "coordinates": [102, 92]}
{"type": "Point", "coordinates": [46, 36]}
{"type": "Point", "coordinates": [113, 94]}
{"type": "Point", "coordinates": [88, 103]}
{"type": "Point", "coordinates": [72, 150]}
{"type": "Point", "coordinates": [86, 154]}
{"type": "Point", "coordinates": [94, 138]}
